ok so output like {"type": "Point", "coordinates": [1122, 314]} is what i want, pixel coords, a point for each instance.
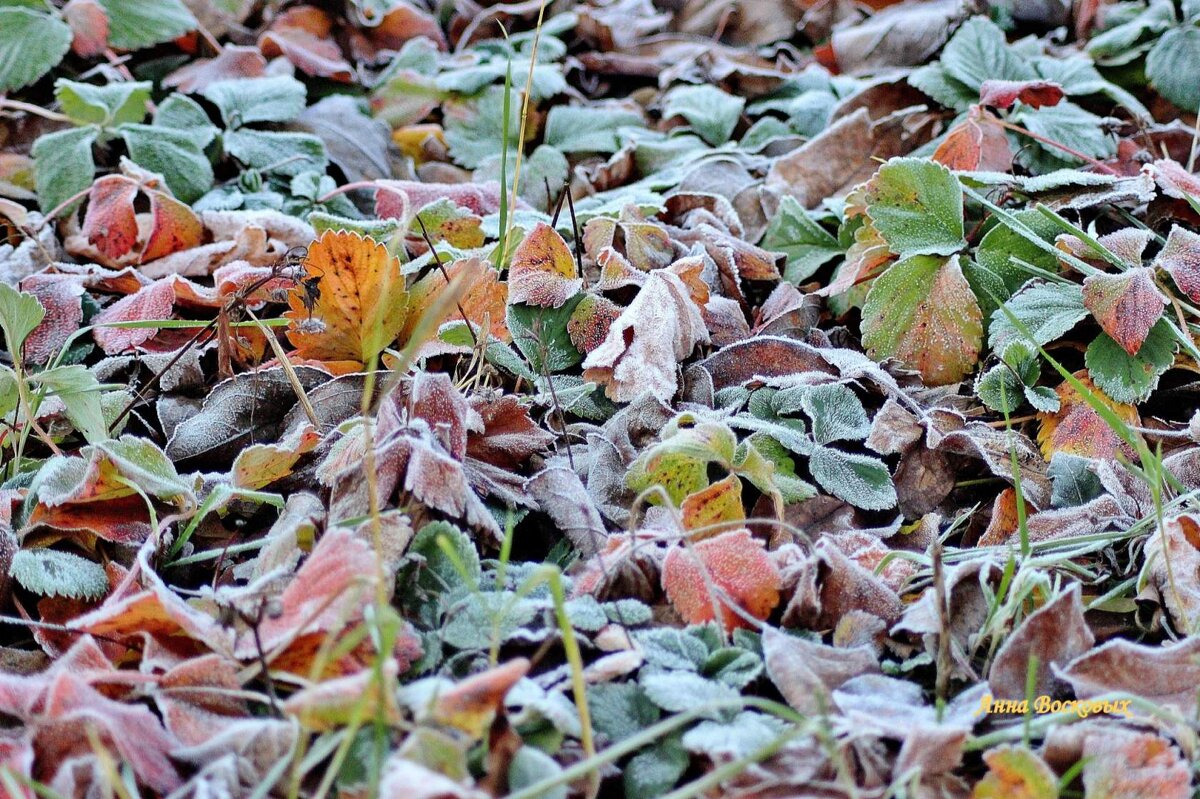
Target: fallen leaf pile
{"type": "Point", "coordinates": [422, 399]}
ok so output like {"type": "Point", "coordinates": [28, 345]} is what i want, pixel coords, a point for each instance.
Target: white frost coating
{"type": "Point", "coordinates": [648, 340]}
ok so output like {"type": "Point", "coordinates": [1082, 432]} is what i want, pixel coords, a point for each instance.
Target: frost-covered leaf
{"type": "Point", "coordinates": [1131, 378]}
{"type": "Point", "coordinates": [20, 314]}
{"type": "Point", "coordinates": [31, 43]}
{"type": "Point", "coordinates": [861, 480]}
{"type": "Point", "coordinates": [1018, 773]}
{"type": "Point", "coordinates": [475, 128]}
{"type": "Point", "coordinates": [1046, 311]}
{"type": "Point", "coordinates": [655, 771]}
{"type": "Point", "coordinates": [133, 24]}
{"type": "Point", "coordinates": [917, 207]}
{"type": "Point", "coordinates": [245, 100]}
{"type": "Point", "coordinates": [736, 564]}
{"type": "Point", "coordinates": [63, 165]}
{"type": "Point", "coordinates": [808, 245]}
{"type": "Point", "coordinates": [648, 340]}
{"type": "Point", "coordinates": [1077, 429]}
{"type": "Point", "coordinates": [711, 112]}
{"type": "Point", "coordinates": [107, 106]}
{"type": "Point", "coordinates": [362, 303]}
{"type": "Point", "coordinates": [50, 572]}
{"type": "Point", "coordinates": [922, 312]}
{"type": "Point", "coordinates": [584, 129]}
{"type": "Point", "coordinates": [1127, 305]}
{"type": "Point", "coordinates": [542, 272]}
{"type": "Point", "coordinates": [531, 765]}
{"type": "Point", "coordinates": [1180, 258]}
{"type": "Point", "coordinates": [837, 413]}
{"type": "Point", "coordinates": [1169, 66]}
{"type": "Point", "coordinates": [677, 691]}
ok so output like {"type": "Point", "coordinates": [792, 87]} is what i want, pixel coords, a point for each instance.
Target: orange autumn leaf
{"type": "Point", "coordinates": [978, 142]}
{"type": "Point", "coordinates": [303, 35]}
{"type": "Point", "coordinates": [472, 704]}
{"type": "Point", "coordinates": [361, 302]}
{"type": "Point", "coordinates": [1077, 429]}
{"type": "Point", "coordinates": [737, 565]}
{"type": "Point", "coordinates": [719, 502]}
{"type": "Point", "coordinates": [483, 300]}
{"type": "Point", "coordinates": [542, 271]}
{"type": "Point", "coordinates": [1015, 773]}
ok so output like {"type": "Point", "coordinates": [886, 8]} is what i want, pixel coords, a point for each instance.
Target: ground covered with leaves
{"type": "Point", "coordinates": [441, 400]}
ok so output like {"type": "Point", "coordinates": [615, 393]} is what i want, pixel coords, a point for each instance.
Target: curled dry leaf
{"type": "Point", "coordinates": [647, 341]}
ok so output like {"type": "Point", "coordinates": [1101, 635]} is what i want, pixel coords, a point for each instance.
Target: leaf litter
{"type": "Point", "coordinates": [428, 399]}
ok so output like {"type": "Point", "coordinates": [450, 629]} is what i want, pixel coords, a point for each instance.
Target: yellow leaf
{"type": "Point", "coordinates": [360, 305]}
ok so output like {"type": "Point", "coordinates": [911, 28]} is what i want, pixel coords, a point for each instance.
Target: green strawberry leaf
{"type": "Point", "coordinates": [31, 43]}
{"type": "Point", "coordinates": [917, 206]}
{"type": "Point", "coordinates": [135, 24]}
{"type": "Point", "coordinates": [63, 165]}
{"type": "Point", "coordinates": [1131, 378]}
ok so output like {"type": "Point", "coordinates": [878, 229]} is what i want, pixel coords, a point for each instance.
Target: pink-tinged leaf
{"type": "Point", "coordinates": [156, 301]}
{"type": "Point", "coordinates": [334, 703]}
{"type": "Point", "coordinates": [1180, 258]}
{"type": "Point", "coordinates": [1033, 93]}
{"type": "Point", "coordinates": [1174, 180]}
{"type": "Point", "coordinates": [648, 341]}
{"type": "Point", "coordinates": [302, 35]}
{"type": "Point", "coordinates": [542, 271]}
{"type": "Point", "coordinates": [1128, 244]}
{"type": "Point", "coordinates": [976, 143]}
{"type": "Point", "coordinates": [132, 731]}
{"type": "Point", "coordinates": [198, 698]}
{"type": "Point", "coordinates": [590, 322]}
{"type": "Point", "coordinates": [509, 437]}
{"type": "Point", "coordinates": [174, 227]}
{"type": "Point", "coordinates": [110, 223]}
{"type": "Point", "coordinates": [399, 199]}
{"type": "Point", "coordinates": [61, 297]}
{"type": "Point", "coordinates": [232, 62]}
{"type": "Point", "coordinates": [328, 592]}
{"type": "Point", "coordinates": [89, 27]}
{"type": "Point", "coordinates": [1126, 305]}
{"type": "Point", "coordinates": [737, 565]}
{"type": "Point", "coordinates": [1123, 764]}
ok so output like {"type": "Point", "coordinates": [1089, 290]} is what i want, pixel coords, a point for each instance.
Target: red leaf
{"type": "Point", "coordinates": [156, 301]}
{"type": "Point", "coordinates": [89, 26]}
{"type": "Point", "coordinates": [303, 36]}
{"type": "Point", "coordinates": [1179, 257]}
{"type": "Point", "coordinates": [232, 62]}
{"type": "Point", "coordinates": [61, 297]}
{"type": "Point", "coordinates": [509, 437]}
{"type": "Point", "coordinates": [174, 227]}
{"type": "Point", "coordinates": [737, 564]}
{"type": "Point", "coordinates": [110, 223]}
{"type": "Point", "coordinates": [1033, 93]}
{"type": "Point", "coordinates": [1126, 305]}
